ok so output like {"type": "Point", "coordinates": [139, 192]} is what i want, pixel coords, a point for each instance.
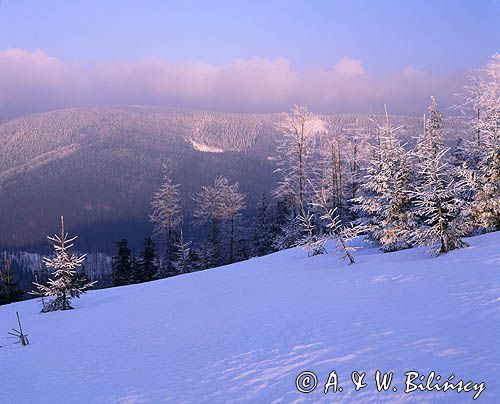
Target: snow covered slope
{"type": "Point", "coordinates": [242, 333]}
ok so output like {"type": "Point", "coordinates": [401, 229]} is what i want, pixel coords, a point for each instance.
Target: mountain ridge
{"type": "Point", "coordinates": [100, 166]}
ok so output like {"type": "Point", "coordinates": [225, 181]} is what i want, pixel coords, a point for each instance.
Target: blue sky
{"type": "Point", "coordinates": [440, 37]}
{"type": "Point", "coordinates": [386, 34]}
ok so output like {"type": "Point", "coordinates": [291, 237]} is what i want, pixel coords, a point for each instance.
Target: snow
{"type": "Point", "coordinates": [243, 332]}
{"type": "Point", "coordinates": [202, 147]}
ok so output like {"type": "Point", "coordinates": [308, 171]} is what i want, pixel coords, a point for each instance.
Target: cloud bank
{"type": "Point", "coordinates": [35, 81]}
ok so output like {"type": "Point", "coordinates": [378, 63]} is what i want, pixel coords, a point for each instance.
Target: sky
{"type": "Point", "coordinates": [256, 56]}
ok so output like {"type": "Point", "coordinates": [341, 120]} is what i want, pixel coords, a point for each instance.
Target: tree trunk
{"type": "Point", "coordinates": [441, 229]}
{"type": "Point", "coordinates": [231, 242]}
{"type": "Point", "coordinates": [168, 252]}
{"type": "Point", "coordinates": [301, 175]}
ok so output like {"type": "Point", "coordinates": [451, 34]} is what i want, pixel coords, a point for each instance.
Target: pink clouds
{"type": "Point", "coordinates": [349, 67]}
{"type": "Point", "coordinates": [35, 81]}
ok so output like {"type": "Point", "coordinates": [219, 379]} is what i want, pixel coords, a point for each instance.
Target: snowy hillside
{"type": "Point", "coordinates": [242, 333]}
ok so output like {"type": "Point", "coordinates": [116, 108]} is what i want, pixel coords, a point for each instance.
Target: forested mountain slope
{"type": "Point", "coordinates": [100, 167]}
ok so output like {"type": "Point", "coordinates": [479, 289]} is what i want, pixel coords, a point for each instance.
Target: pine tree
{"type": "Point", "coordinates": [262, 237]}
{"type": "Point", "coordinates": [294, 155]}
{"type": "Point", "coordinates": [122, 271]}
{"type": "Point", "coordinates": [295, 164]}
{"type": "Point", "coordinates": [355, 140]}
{"type": "Point", "coordinates": [334, 229]}
{"type": "Point", "coordinates": [194, 260]}
{"type": "Point", "coordinates": [235, 203]}
{"type": "Point", "coordinates": [211, 208]}
{"type": "Point", "coordinates": [41, 277]}
{"type": "Point", "coordinates": [385, 192]}
{"type": "Point", "coordinates": [215, 204]}
{"type": "Point", "coordinates": [290, 233]}
{"type": "Point", "coordinates": [148, 262]}
{"type": "Point", "coordinates": [207, 256]}
{"type": "Point", "coordinates": [437, 195]}
{"type": "Point", "coordinates": [482, 171]}
{"type": "Point", "coordinates": [331, 175]}
{"type": "Point", "coordinates": [9, 289]}
{"type": "Point", "coordinates": [184, 262]}
{"type": "Point", "coordinates": [242, 249]}
{"type": "Point", "coordinates": [312, 240]}
{"type": "Point", "coordinates": [166, 216]}
{"type": "Point", "coordinates": [355, 150]}
{"type": "Point", "coordinates": [136, 275]}
{"type": "Point", "coordinates": [64, 283]}
{"type": "Point", "coordinates": [279, 218]}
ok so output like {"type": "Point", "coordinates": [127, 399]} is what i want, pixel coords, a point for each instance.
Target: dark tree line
{"type": "Point", "coordinates": [9, 288]}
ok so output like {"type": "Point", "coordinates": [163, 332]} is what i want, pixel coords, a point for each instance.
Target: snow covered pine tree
{"type": "Point", "coordinates": [184, 263]}
{"type": "Point", "coordinates": [482, 172]}
{"type": "Point", "coordinates": [235, 203]}
{"type": "Point", "coordinates": [166, 217]}
{"type": "Point", "coordinates": [312, 240]}
{"type": "Point", "coordinates": [437, 195]}
{"type": "Point", "coordinates": [211, 208]}
{"type": "Point", "coordinates": [215, 204]}
{"type": "Point", "coordinates": [64, 283]}
{"type": "Point", "coordinates": [385, 192]}
{"type": "Point", "coordinates": [294, 155]}
{"type": "Point", "coordinates": [289, 233]}
{"type": "Point", "coordinates": [295, 165]}
{"type": "Point", "coordinates": [262, 236]}
{"type": "Point", "coordinates": [331, 167]}
{"type": "Point", "coordinates": [335, 230]}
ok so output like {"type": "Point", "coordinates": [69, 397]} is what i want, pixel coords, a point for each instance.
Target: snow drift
{"type": "Point", "coordinates": [243, 332]}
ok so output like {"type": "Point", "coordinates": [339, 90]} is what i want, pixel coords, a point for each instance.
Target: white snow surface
{"type": "Point", "coordinates": [202, 147]}
{"type": "Point", "coordinates": [243, 332]}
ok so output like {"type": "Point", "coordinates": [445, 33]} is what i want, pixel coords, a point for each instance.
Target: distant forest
{"type": "Point", "coordinates": [100, 167]}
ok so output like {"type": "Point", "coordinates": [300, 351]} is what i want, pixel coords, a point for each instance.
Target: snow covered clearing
{"type": "Point", "coordinates": [243, 332]}
{"type": "Point", "coordinates": [205, 148]}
